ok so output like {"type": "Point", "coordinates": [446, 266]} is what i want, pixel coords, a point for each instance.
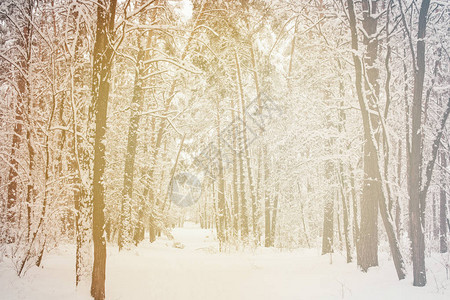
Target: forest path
{"type": "Point", "coordinates": [161, 271]}
{"type": "Point", "coordinates": [198, 271]}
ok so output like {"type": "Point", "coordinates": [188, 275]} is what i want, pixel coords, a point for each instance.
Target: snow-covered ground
{"type": "Point", "coordinates": [161, 271]}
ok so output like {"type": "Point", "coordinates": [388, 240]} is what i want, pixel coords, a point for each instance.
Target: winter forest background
{"type": "Point", "coordinates": [275, 126]}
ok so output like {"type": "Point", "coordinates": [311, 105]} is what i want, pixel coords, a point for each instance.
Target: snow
{"type": "Point", "coordinates": [197, 271]}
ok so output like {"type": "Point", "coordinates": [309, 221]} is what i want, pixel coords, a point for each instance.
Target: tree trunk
{"type": "Point", "coordinates": [221, 189]}
{"type": "Point", "coordinates": [240, 128]}
{"type": "Point", "coordinates": [355, 213]}
{"type": "Point", "coordinates": [367, 244]}
{"type": "Point", "coordinates": [443, 208]}
{"type": "Point", "coordinates": [416, 205]}
{"type": "Point", "coordinates": [80, 161]}
{"type": "Point", "coordinates": [274, 221]}
{"type": "Point", "coordinates": [338, 220]}
{"type": "Point", "coordinates": [345, 216]}
{"type": "Point", "coordinates": [345, 207]}
{"type": "Point", "coordinates": [267, 223]}
{"type": "Point", "coordinates": [235, 182]}
{"type": "Point", "coordinates": [125, 230]}
{"type": "Point", "coordinates": [327, 235]}
{"type": "Point", "coordinates": [397, 202]}
{"type": "Point", "coordinates": [23, 89]}
{"type": "Point", "coordinates": [372, 186]}
{"type": "Point", "coordinates": [245, 144]}
{"type": "Point", "coordinates": [100, 90]}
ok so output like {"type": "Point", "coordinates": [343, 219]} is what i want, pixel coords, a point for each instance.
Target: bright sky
{"type": "Point", "coordinates": [183, 8]}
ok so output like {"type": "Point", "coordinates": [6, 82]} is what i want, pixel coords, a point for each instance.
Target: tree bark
{"type": "Point", "coordinates": [103, 53]}
{"type": "Point", "coordinates": [416, 204]}
{"type": "Point", "coordinates": [372, 186]}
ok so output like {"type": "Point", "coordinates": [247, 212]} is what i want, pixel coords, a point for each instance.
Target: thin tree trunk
{"type": "Point", "coordinates": [241, 148]}
{"type": "Point", "coordinates": [443, 208]}
{"type": "Point", "coordinates": [267, 223]}
{"type": "Point", "coordinates": [245, 143]}
{"type": "Point", "coordinates": [273, 226]}
{"type": "Point", "coordinates": [397, 202]}
{"type": "Point", "coordinates": [342, 117]}
{"type": "Point", "coordinates": [304, 225]}
{"type": "Point", "coordinates": [327, 232]}
{"type": "Point", "coordinates": [345, 216]}
{"type": "Point", "coordinates": [338, 219]}
{"type": "Point", "coordinates": [355, 212]}
{"type": "Point", "coordinates": [81, 195]}
{"type": "Point", "coordinates": [235, 182]}
{"type": "Point", "coordinates": [221, 189]}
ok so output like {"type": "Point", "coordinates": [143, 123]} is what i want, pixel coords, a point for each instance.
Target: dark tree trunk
{"type": "Point", "coordinates": [372, 186]}
{"type": "Point", "coordinates": [368, 238]}
{"type": "Point", "coordinates": [416, 205]}
{"type": "Point", "coordinates": [100, 90]}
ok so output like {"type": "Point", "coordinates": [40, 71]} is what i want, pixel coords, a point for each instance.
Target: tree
{"type": "Point", "coordinates": [374, 162]}
{"type": "Point", "coordinates": [125, 230]}
{"type": "Point", "coordinates": [443, 208]}
{"type": "Point", "coordinates": [419, 182]}
{"type": "Point", "coordinates": [21, 107]}
{"type": "Point", "coordinates": [103, 54]}
{"type": "Point", "coordinates": [368, 238]}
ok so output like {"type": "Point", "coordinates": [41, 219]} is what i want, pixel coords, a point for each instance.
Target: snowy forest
{"type": "Point", "coordinates": [239, 149]}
